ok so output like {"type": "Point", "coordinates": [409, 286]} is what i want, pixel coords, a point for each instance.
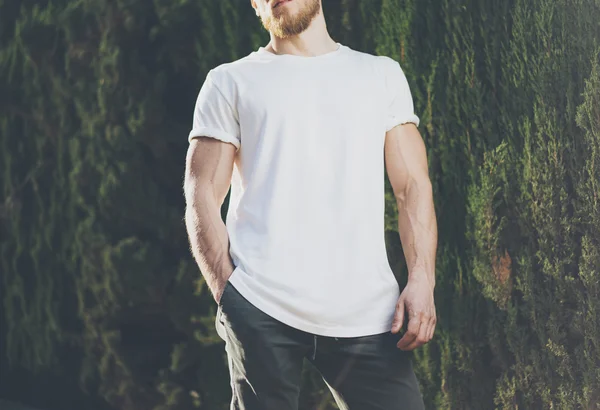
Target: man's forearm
{"type": "Point", "coordinates": [208, 239]}
{"type": "Point", "coordinates": [417, 227]}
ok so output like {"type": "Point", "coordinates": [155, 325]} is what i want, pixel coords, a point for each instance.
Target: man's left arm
{"type": "Point", "coordinates": [407, 170]}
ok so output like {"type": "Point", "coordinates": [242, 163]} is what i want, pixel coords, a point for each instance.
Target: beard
{"type": "Point", "coordinates": [284, 25]}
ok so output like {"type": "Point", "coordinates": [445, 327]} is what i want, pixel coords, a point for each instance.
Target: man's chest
{"type": "Point", "coordinates": [311, 100]}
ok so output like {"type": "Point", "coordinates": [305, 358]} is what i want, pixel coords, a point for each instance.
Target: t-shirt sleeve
{"type": "Point", "coordinates": [400, 108]}
{"type": "Point", "coordinates": [214, 114]}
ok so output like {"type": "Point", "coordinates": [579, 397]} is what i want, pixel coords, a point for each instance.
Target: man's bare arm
{"type": "Point", "coordinates": [407, 169]}
{"type": "Point", "coordinates": [209, 165]}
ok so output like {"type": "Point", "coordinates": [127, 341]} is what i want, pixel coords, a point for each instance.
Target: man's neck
{"type": "Point", "coordinates": [314, 41]}
{"type": "Point", "coordinates": [317, 50]}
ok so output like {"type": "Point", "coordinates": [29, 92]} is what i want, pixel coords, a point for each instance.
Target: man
{"type": "Point", "coordinates": [301, 128]}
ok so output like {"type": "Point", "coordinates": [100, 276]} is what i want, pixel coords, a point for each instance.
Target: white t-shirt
{"type": "Point", "coordinates": [306, 211]}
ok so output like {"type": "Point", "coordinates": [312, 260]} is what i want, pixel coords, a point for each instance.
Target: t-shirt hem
{"type": "Point", "coordinates": [289, 320]}
{"type": "Point", "coordinates": [213, 133]}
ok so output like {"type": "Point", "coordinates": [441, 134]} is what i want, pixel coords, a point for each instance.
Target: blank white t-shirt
{"type": "Point", "coordinates": [306, 211]}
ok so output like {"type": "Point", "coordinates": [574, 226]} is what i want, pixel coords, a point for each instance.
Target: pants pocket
{"type": "Point", "coordinates": [219, 325]}
{"type": "Point", "coordinates": [225, 289]}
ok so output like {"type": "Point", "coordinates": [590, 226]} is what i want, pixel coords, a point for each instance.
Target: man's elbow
{"type": "Point", "coordinates": [416, 188]}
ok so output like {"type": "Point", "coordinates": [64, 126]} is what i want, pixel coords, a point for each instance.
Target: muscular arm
{"type": "Point", "coordinates": [406, 166]}
{"type": "Point", "coordinates": [209, 165]}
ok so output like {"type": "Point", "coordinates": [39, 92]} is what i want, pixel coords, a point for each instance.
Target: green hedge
{"type": "Point", "coordinates": [103, 306]}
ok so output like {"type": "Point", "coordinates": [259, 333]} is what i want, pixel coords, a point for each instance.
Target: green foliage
{"type": "Point", "coordinates": [101, 300]}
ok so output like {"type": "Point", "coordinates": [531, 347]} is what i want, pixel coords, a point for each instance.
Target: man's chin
{"type": "Point", "coordinates": [290, 23]}
{"type": "Point", "coordinates": [283, 34]}
{"type": "Point", "coordinates": [281, 31]}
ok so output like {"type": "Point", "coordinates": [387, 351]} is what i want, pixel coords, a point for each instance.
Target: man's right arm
{"type": "Point", "coordinates": [209, 165]}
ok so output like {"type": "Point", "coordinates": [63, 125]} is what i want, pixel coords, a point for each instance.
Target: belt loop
{"type": "Point", "coordinates": [314, 347]}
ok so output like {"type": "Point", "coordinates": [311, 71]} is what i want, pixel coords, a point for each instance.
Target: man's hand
{"type": "Point", "coordinates": [416, 301]}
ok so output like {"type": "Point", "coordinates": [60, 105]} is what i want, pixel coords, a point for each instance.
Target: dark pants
{"type": "Point", "coordinates": [265, 359]}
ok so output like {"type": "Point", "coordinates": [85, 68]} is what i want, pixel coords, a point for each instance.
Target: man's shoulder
{"type": "Point", "coordinates": [228, 70]}
{"type": "Point", "coordinates": [386, 62]}
{"type": "Point", "coordinates": [378, 59]}
{"type": "Point", "coordinates": [239, 64]}
{"type": "Point", "coordinates": [382, 65]}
